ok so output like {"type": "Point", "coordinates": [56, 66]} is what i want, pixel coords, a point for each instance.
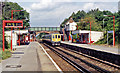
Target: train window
{"type": "Point", "coordinates": [58, 36]}
{"type": "Point", "coordinates": [55, 36]}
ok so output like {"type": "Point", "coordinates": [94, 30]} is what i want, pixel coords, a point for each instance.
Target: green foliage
{"type": "Point", "coordinates": [95, 16]}
{"type": "Point", "coordinates": [74, 36]}
{"type": "Point", "coordinates": [65, 21]}
{"type": "Point", "coordinates": [40, 35]}
{"type": "Point", "coordinates": [17, 15]}
{"type": "Point", "coordinates": [84, 24]}
{"type": "Point", "coordinates": [6, 54]}
{"type": "Point", "coordinates": [7, 46]}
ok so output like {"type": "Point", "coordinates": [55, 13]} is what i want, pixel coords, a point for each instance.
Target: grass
{"type": "Point", "coordinates": [6, 54]}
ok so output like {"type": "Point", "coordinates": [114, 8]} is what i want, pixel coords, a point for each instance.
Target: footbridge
{"type": "Point", "coordinates": [44, 29]}
{"type": "Point", "coordinates": [37, 29]}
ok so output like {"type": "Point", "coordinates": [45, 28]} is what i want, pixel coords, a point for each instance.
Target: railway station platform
{"type": "Point", "coordinates": [30, 57]}
{"type": "Point", "coordinates": [112, 50]}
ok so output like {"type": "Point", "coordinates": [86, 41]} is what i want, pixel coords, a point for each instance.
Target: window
{"type": "Point", "coordinates": [58, 36]}
{"type": "Point", "coordinates": [55, 36]}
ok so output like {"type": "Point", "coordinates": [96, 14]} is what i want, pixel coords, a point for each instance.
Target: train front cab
{"type": "Point", "coordinates": [56, 38]}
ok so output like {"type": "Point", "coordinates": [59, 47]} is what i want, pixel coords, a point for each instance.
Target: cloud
{"type": "Point", "coordinates": [55, 16]}
{"type": "Point", "coordinates": [88, 6]}
{"type": "Point", "coordinates": [53, 13]}
{"type": "Point", "coordinates": [101, 5]}
{"type": "Point", "coordinates": [43, 5]}
{"type": "Point", "coordinates": [66, 0]}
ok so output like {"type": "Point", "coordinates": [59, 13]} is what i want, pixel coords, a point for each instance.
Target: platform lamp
{"type": "Point", "coordinates": [11, 28]}
{"type": "Point", "coordinates": [113, 27]}
{"type": "Point", "coordinates": [103, 27]}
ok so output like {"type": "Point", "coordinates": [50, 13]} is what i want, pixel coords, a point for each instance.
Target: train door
{"type": "Point", "coordinates": [59, 37]}
{"type": "Point", "coordinates": [53, 37]}
{"type": "Point", "coordinates": [56, 37]}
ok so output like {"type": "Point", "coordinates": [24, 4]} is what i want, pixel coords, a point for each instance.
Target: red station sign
{"type": "Point", "coordinates": [13, 24]}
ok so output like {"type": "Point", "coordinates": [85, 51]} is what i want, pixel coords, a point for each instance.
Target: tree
{"type": "Point", "coordinates": [20, 15]}
{"type": "Point", "coordinates": [95, 16]}
{"type": "Point", "coordinates": [84, 24]}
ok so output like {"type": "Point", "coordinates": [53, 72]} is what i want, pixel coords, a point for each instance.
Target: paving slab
{"type": "Point", "coordinates": [46, 63]}
{"type": "Point", "coordinates": [29, 61]}
{"type": "Point", "coordinates": [13, 61]}
{"type": "Point", "coordinates": [0, 67]}
{"type": "Point", "coordinates": [28, 58]}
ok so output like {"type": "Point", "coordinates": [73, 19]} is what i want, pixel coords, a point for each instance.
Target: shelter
{"type": "Point", "coordinates": [15, 36]}
{"type": "Point", "coordinates": [84, 36]}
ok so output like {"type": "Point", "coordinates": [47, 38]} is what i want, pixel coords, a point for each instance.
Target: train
{"type": "Point", "coordinates": [53, 39]}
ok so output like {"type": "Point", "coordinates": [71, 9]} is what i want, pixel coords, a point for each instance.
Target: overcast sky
{"type": "Point", "coordinates": [50, 13]}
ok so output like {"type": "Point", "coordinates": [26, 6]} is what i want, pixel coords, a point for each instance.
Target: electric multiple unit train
{"type": "Point", "coordinates": [53, 39]}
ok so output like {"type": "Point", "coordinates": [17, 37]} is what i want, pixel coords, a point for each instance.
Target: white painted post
{"type": "Point", "coordinates": [89, 37]}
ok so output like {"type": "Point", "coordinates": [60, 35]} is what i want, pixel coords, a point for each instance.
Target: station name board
{"type": "Point", "coordinates": [13, 24]}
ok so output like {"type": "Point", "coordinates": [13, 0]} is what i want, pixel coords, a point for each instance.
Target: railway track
{"type": "Point", "coordinates": [93, 58]}
{"type": "Point", "coordinates": [79, 62]}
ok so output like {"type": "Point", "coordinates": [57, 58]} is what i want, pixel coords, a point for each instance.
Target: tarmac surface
{"type": "Point", "coordinates": [0, 67]}
{"type": "Point", "coordinates": [30, 57]}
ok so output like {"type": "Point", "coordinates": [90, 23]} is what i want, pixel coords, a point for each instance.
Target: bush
{"type": "Point", "coordinates": [6, 54]}
{"type": "Point", "coordinates": [6, 44]}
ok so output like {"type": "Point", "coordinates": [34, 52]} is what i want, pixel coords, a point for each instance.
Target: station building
{"type": "Point", "coordinates": [69, 27]}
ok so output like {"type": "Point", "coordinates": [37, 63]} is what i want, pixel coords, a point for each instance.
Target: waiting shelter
{"type": "Point", "coordinates": [84, 36]}
{"type": "Point", "coordinates": [15, 36]}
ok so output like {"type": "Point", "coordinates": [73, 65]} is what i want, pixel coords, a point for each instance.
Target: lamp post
{"type": "Point", "coordinates": [113, 28]}
{"type": "Point", "coordinates": [14, 11]}
{"type": "Point", "coordinates": [103, 27]}
{"type": "Point", "coordinates": [103, 23]}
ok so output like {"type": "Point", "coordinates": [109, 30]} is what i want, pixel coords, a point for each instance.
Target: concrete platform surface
{"type": "Point", "coordinates": [46, 63]}
{"type": "Point", "coordinates": [0, 67]}
{"type": "Point", "coordinates": [96, 47]}
{"type": "Point", "coordinates": [28, 58]}
{"type": "Point", "coordinates": [10, 63]}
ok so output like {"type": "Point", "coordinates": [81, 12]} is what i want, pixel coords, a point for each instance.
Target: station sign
{"type": "Point", "coordinates": [110, 31]}
{"type": "Point", "coordinates": [13, 24]}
